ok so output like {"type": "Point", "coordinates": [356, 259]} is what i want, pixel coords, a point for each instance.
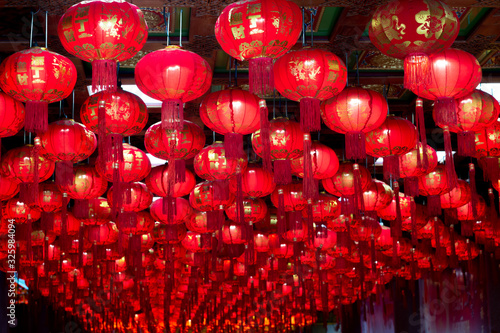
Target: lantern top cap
{"type": "Point", "coordinates": [172, 47]}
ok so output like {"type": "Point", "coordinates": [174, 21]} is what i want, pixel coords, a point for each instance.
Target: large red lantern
{"type": "Point", "coordinates": [158, 182]}
{"type": "Point", "coordinates": [412, 30]}
{"type": "Point", "coordinates": [354, 112]}
{"type": "Point", "coordinates": [256, 182]}
{"type": "Point", "coordinates": [233, 113]}
{"type": "Point", "coordinates": [413, 165]}
{"type": "Point", "coordinates": [11, 115]}
{"type": "Point", "coordinates": [396, 136]}
{"type": "Point", "coordinates": [286, 144]}
{"type": "Point", "coordinates": [103, 33]}
{"type": "Point", "coordinates": [67, 142]}
{"type": "Point", "coordinates": [343, 183]}
{"type": "Point", "coordinates": [259, 31]}
{"type": "Point", "coordinates": [49, 198]}
{"type": "Point", "coordinates": [310, 76]}
{"type": "Point", "coordinates": [377, 196]}
{"type": "Point", "coordinates": [211, 163]}
{"type": "Point", "coordinates": [173, 76]}
{"type": "Point", "coordinates": [325, 162]}
{"type": "Point", "coordinates": [475, 111]}
{"type": "Point", "coordinates": [38, 77]}
{"type": "Point", "coordinates": [432, 185]}
{"type": "Point", "coordinates": [324, 209]}
{"type": "Point", "coordinates": [292, 195]}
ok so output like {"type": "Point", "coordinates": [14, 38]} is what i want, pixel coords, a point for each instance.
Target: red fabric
{"type": "Point", "coordinates": [211, 163]}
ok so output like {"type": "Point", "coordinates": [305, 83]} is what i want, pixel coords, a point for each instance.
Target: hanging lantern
{"type": "Point", "coordinates": [292, 194]}
{"type": "Point", "coordinates": [232, 113]}
{"type": "Point", "coordinates": [103, 33]}
{"type": "Point", "coordinates": [254, 210]}
{"type": "Point", "coordinates": [8, 187]}
{"type": "Point", "coordinates": [475, 111]}
{"type": "Point", "coordinates": [286, 144]}
{"type": "Point", "coordinates": [412, 30]}
{"type": "Point", "coordinates": [19, 211]}
{"type": "Point", "coordinates": [432, 185]}
{"type": "Point", "coordinates": [488, 150]}
{"type": "Point", "coordinates": [259, 31]}
{"type": "Point", "coordinates": [157, 182]}
{"type": "Point", "coordinates": [49, 198]}
{"type": "Point", "coordinates": [138, 199]}
{"type": "Point", "coordinates": [256, 182]}
{"type": "Point", "coordinates": [325, 162]}
{"type": "Point", "coordinates": [354, 112]}
{"type": "Point", "coordinates": [98, 212]}
{"type": "Point", "coordinates": [412, 165]}
{"type": "Point", "coordinates": [390, 213]}
{"type": "Point", "coordinates": [86, 183]}
{"type": "Point", "coordinates": [182, 213]}
{"type": "Point", "coordinates": [38, 77]}
{"type": "Point", "coordinates": [326, 208]}
{"type": "Point", "coordinates": [396, 136]}
{"type": "Point", "coordinates": [67, 142]}
{"type": "Point", "coordinates": [11, 116]}
{"type": "Point", "coordinates": [202, 198]}
{"type": "Point", "coordinates": [377, 196]}
{"type": "Point", "coordinates": [135, 166]}
{"type": "Point", "coordinates": [457, 197]}
{"type": "Point", "coordinates": [173, 76]}
{"type": "Point", "coordinates": [310, 76]}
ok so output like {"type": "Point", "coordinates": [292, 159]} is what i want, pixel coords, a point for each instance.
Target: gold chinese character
{"type": "Point", "coordinates": [238, 33]}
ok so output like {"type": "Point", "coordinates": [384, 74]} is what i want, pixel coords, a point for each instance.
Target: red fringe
{"type": "Point", "coordinates": [417, 71]}
{"type": "Point", "coordinates": [80, 245]}
{"type": "Point", "coordinates": [282, 172]}
{"type": "Point", "coordinates": [395, 261]}
{"type": "Point", "coordinates": [261, 76]}
{"type": "Point", "coordinates": [355, 145]}
{"type": "Point", "coordinates": [420, 119]}
{"type": "Point", "coordinates": [391, 167]}
{"type": "Point", "coordinates": [281, 213]}
{"type": "Point", "coordinates": [453, 255]}
{"type": "Point", "coordinates": [373, 255]}
{"type": "Point", "coordinates": [240, 209]}
{"type": "Point", "coordinates": [172, 114]}
{"type": "Point", "coordinates": [104, 75]}
{"type": "Point", "coordinates": [309, 184]}
{"type": "Point", "coordinates": [265, 129]}
{"type": "Point", "coordinates": [310, 221]}
{"type": "Point", "coordinates": [180, 171]}
{"type": "Point", "coordinates": [434, 205]}
{"type": "Point", "coordinates": [103, 142]}
{"type": "Point", "coordinates": [81, 208]}
{"type": "Point", "coordinates": [37, 117]}
{"type": "Point", "coordinates": [492, 212]}
{"type": "Point", "coordinates": [358, 190]}
{"type": "Point", "coordinates": [310, 120]}
{"type": "Point", "coordinates": [117, 190]}
{"type": "Point", "coordinates": [450, 164]}
{"type": "Point", "coordinates": [64, 173]}
{"type": "Point", "coordinates": [233, 145]}
{"type": "Point", "coordinates": [221, 189]}
{"type": "Point", "coordinates": [450, 216]}
{"type": "Point", "coordinates": [466, 143]}
{"type": "Point", "coordinates": [64, 222]}
{"type": "Point", "coordinates": [491, 170]}
{"type": "Point", "coordinates": [414, 232]}
{"type": "Point", "coordinates": [445, 111]}
{"type": "Point", "coordinates": [28, 238]}
{"type": "Point", "coordinates": [396, 230]}
{"type": "Point", "coordinates": [472, 183]}
{"type": "Point", "coordinates": [411, 186]}
{"type": "Point", "coordinates": [466, 228]}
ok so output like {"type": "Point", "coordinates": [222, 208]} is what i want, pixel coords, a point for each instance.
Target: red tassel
{"type": "Point", "coordinates": [80, 245]}
{"type": "Point", "coordinates": [433, 205]}
{"type": "Point", "coordinates": [437, 238]}
{"type": "Point", "coordinates": [419, 113]}
{"type": "Point", "coordinates": [310, 220]}
{"type": "Point", "coordinates": [450, 164]}
{"type": "Point", "coordinates": [396, 229]}
{"type": "Point", "coordinates": [309, 184]}
{"type": "Point", "coordinates": [411, 186]}
{"type": "Point", "coordinates": [491, 170]}
{"type": "Point", "coordinates": [310, 120]}
{"type": "Point", "coordinates": [417, 71]}
{"type": "Point", "coordinates": [472, 183]}
{"type": "Point", "coordinates": [265, 129]}
{"type": "Point", "coordinates": [373, 254]}
{"type": "Point", "coordinates": [492, 212]}
{"type": "Point", "coordinates": [445, 112]}
{"type": "Point", "coordinates": [103, 142]}
{"type": "Point", "coordinates": [261, 76]}
{"type": "Point", "coordinates": [240, 209]}
{"type": "Point", "coordinates": [28, 238]}
{"type": "Point", "coordinates": [391, 167]}
{"type": "Point", "coordinates": [104, 75]}
{"type": "Point", "coordinates": [355, 148]}
{"type": "Point", "coordinates": [281, 213]}
{"type": "Point", "coordinates": [172, 114]}
{"type": "Point", "coordinates": [358, 190]}
{"type": "Point", "coordinates": [64, 222]}
{"type": "Point", "coordinates": [233, 145]}
{"type": "Point", "coordinates": [81, 208]}
{"type": "Point", "coordinates": [180, 171]}
{"type": "Point", "coordinates": [466, 143]}
{"type": "Point", "coordinates": [466, 228]}
{"type": "Point", "coordinates": [453, 255]}
{"type": "Point", "coordinates": [64, 173]}
{"type": "Point", "coordinates": [221, 189]}
{"type": "Point", "coordinates": [282, 172]}
{"type": "Point", "coordinates": [117, 190]}
{"type": "Point", "coordinates": [37, 117]}
{"type": "Point", "coordinates": [395, 261]}
{"type": "Point", "coordinates": [414, 235]}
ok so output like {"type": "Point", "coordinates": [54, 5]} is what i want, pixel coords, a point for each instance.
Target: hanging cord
{"type": "Point", "coordinates": [357, 67]}
{"type": "Point", "coordinates": [235, 72]}
{"type": "Point", "coordinates": [31, 28]}
{"type": "Point", "coordinates": [180, 29]}
{"type": "Point", "coordinates": [303, 27]}
{"type": "Point", "coordinates": [46, 29]}
{"type": "Point", "coordinates": [166, 19]}
{"type": "Point", "coordinates": [312, 12]}
{"type": "Point", "coordinates": [274, 104]}
{"type": "Point", "coordinates": [347, 66]}
{"type": "Point", "coordinates": [73, 105]}
{"type": "Point", "coordinates": [118, 78]}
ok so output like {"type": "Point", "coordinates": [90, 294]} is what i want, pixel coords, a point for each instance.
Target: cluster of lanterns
{"type": "Point", "coordinates": [254, 245]}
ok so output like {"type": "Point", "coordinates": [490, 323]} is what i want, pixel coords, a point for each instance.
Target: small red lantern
{"type": "Point", "coordinates": [324, 209]}
{"type": "Point", "coordinates": [413, 165]}
{"type": "Point", "coordinates": [11, 115]}
{"type": "Point", "coordinates": [86, 183]}
{"type": "Point", "coordinates": [377, 196]}
{"type": "Point", "coordinates": [413, 30]}
{"type": "Point", "coordinates": [139, 198]}
{"type": "Point", "coordinates": [457, 197]}
{"type": "Point", "coordinates": [19, 211]}
{"type": "Point", "coordinates": [135, 166]}
{"type": "Point", "coordinates": [466, 212]}
{"type": "Point", "coordinates": [157, 182]}
{"type": "Point", "coordinates": [211, 163]}
{"type": "Point", "coordinates": [202, 198]}
{"type": "Point", "coordinates": [49, 198]}
{"type": "Point", "coordinates": [432, 185]}
{"type": "Point", "coordinates": [488, 149]}
{"type": "Point", "coordinates": [38, 77]}
{"type": "Point", "coordinates": [97, 213]}
{"type": "Point", "coordinates": [325, 162]}
{"type": "Point", "coordinates": [181, 214]}
{"type": "Point", "coordinates": [354, 112]}
{"type": "Point", "coordinates": [286, 144]}
{"type": "Point", "coordinates": [256, 182]}
{"type": "Point", "coordinates": [389, 212]}
{"type": "Point", "coordinates": [259, 31]}
{"type": "Point", "coordinates": [310, 76]}
{"type": "Point", "coordinates": [232, 113]}
{"type": "Point", "coordinates": [103, 33]}
{"type": "Point", "coordinates": [254, 210]}
{"type": "Point", "coordinates": [396, 136]}
{"type": "Point", "coordinates": [145, 224]}
{"type": "Point", "coordinates": [293, 197]}
{"type": "Point", "coordinates": [104, 234]}
{"type": "Point", "coordinates": [174, 76]}
{"type": "Point", "coordinates": [199, 223]}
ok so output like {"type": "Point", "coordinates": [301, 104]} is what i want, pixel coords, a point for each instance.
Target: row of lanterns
{"type": "Point", "coordinates": [177, 262]}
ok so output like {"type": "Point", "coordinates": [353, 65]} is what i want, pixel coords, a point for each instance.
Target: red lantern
{"type": "Point", "coordinates": [8, 187]}
{"type": "Point", "coordinates": [169, 233]}
{"type": "Point", "coordinates": [157, 182]}
{"type": "Point", "coordinates": [19, 212]}
{"type": "Point", "coordinates": [354, 112]}
{"type": "Point", "coordinates": [196, 242]}
{"type": "Point", "coordinates": [233, 113]}
{"type": "Point", "coordinates": [145, 224]}
{"type": "Point", "coordinates": [104, 234]}
{"type": "Point", "coordinates": [255, 210]}
{"type": "Point", "coordinates": [202, 198]}
{"type": "Point", "coordinates": [457, 197]}
{"type": "Point", "coordinates": [377, 196]}
{"type": "Point", "coordinates": [326, 208]}
{"type": "Point", "coordinates": [199, 223]}
{"type": "Point", "coordinates": [325, 162]}
{"type": "Point", "coordinates": [286, 144]}
{"type": "Point", "coordinates": [49, 198]}
{"type": "Point", "coordinates": [86, 183]}
{"type": "Point", "coordinates": [98, 212]}
{"type": "Point", "coordinates": [488, 149]}
{"type": "Point", "coordinates": [432, 185]}
{"type": "Point", "coordinates": [389, 212]}
{"type": "Point", "coordinates": [412, 165]}
{"type": "Point", "coordinates": [293, 197]}
{"type": "Point", "coordinates": [396, 136]}
{"type": "Point", "coordinates": [256, 182]}
{"type": "Point", "coordinates": [475, 111]}
{"type": "Point", "coordinates": [72, 224]}
{"type": "Point", "coordinates": [420, 220]}
{"type": "Point", "coordinates": [174, 76]}
{"type": "Point", "coordinates": [103, 33]}
{"type": "Point", "coordinates": [140, 198]}
{"type": "Point", "coordinates": [466, 212]}
{"type": "Point", "coordinates": [342, 184]}
{"type": "Point", "coordinates": [135, 166]}
{"type": "Point", "coordinates": [211, 163]}
{"type": "Point", "coordinates": [259, 31]}
{"type": "Point", "coordinates": [181, 214]}
{"type": "Point", "coordinates": [38, 77]}
{"type": "Point", "coordinates": [310, 76]}
{"type": "Point", "coordinates": [413, 30]}
{"type": "Point", "coordinates": [11, 115]}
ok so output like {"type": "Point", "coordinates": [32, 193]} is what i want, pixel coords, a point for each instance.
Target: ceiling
{"type": "Point", "coordinates": [338, 26]}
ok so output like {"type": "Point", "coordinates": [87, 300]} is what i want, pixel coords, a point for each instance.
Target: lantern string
{"type": "Point", "coordinates": [274, 104]}
{"type": "Point", "coordinates": [118, 78]}
{"type": "Point", "coordinates": [166, 19]}
{"type": "Point", "coordinates": [347, 66]}
{"type": "Point", "coordinates": [213, 140]}
{"type": "Point", "coordinates": [180, 28]}
{"type": "Point", "coordinates": [357, 67]}
{"type": "Point", "coordinates": [46, 29]}
{"type": "Point", "coordinates": [73, 105]}
{"type": "Point", "coordinates": [313, 12]}
{"type": "Point", "coordinates": [286, 108]}
{"type": "Point", "coordinates": [303, 28]}
{"type": "Point", "coordinates": [235, 72]}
